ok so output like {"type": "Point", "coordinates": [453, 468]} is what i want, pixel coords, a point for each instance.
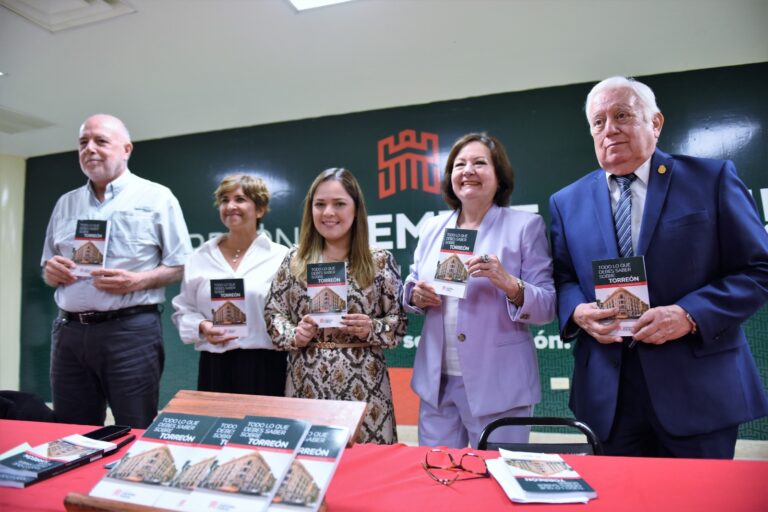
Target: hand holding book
{"type": "Point", "coordinates": [305, 331]}
{"type": "Point", "coordinates": [357, 325]}
{"type": "Point", "coordinates": [58, 271]}
{"type": "Point", "coordinates": [424, 296]}
{"type": "Point", "coordinates": [598, 323]}
{"type": "Point", "coordinates": [214, 334]}
{"type": "Point", "coordinates": [661, 324]}
{"type": "Point", "coordinates": [116, 280]}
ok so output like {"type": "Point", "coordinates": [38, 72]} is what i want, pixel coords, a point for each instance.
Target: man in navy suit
{"type": "Point", "coordinates": [688, 379]}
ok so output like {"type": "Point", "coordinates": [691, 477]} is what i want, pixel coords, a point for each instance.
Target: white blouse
{"type": "Point", "coordinates": [193, 305]}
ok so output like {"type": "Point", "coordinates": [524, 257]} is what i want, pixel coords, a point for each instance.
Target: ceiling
{"type": "Point", "coordinates": [174, 67]}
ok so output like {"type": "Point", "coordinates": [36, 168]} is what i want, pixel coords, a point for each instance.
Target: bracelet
{"type": "Point", "coordinates": [517, 300]}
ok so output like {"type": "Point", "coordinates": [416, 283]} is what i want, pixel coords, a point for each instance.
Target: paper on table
{"type": "Point", "coordinates": [13, 451]}
{"type": "Point", "coordinates": [539, 478]}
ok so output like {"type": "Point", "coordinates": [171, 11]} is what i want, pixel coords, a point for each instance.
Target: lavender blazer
{"type": "Point", "coordinates": [497, 354]}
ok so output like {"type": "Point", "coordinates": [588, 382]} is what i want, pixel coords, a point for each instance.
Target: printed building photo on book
{"type": "Point", "coordinates": [327, 291]}
{"type": "Point", "coordinates": [247, 471]}
{"type": "Point", "coordinates": [303, 488]}
{"type": "Point", "coordinates": [164, 458]}
{"type": "Point", "coordinates": [89, 247]}
{"type": "Point", "coordinates": [451, 273]}
{"type": "Point", "coordinates": [200, 461]}
{"type": "Point", "coordinates": [228, 306]}
{"type": "Point", "coordinates": [539, 478]}
{"type": "Point", "coordinates": [620, 283]}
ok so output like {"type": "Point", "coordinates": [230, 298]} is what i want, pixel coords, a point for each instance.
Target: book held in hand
{"type": "Point", "coordinates": [327, 290]}
{"type": "Point", "coordinates": [303, 488]}
{"type": "Point", "coordinates": [89, 250]}
{"type": "Point", "coordinates": [621, 283]}
{"type": "Point", "coordinates": [228, 306]}
{"type": "Point", "coordinates": [451, 273]}
{"type": "Point", "coordinates": [539, 478]}
{"type": "Point", "coordinates": [50, 459]}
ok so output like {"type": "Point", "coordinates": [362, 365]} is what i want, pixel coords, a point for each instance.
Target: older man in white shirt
{"type": "Point", "coordinates": [107, 344]}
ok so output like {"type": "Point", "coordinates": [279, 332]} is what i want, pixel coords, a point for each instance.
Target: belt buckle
{"type": "Point", "coordinates": [83, 317]}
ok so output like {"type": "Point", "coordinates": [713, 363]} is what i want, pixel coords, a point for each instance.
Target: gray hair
{"type": "Point", "coordinates": [643, 92]}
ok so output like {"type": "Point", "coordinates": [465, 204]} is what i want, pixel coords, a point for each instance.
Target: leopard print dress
{"type": "Point", "coordinates": [343, 373]}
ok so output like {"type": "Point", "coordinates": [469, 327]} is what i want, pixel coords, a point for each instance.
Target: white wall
{"type": "Point", "coordinates": [12, 173]}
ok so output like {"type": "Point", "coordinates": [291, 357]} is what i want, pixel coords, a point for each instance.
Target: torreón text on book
{"type": "Point", "coordinates": [617, 280]}
{"type": "Point", "coordinates": [269, 443]}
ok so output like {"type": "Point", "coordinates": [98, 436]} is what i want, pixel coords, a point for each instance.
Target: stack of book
{"type": "Point", "coordinates": [196, 462]}
{"type": "Point", "coordinates": [50, 459]}
{"type": "Point", "coordinates": [539, 478]}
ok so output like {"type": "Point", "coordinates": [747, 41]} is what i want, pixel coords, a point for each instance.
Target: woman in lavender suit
{"type": "Point", "coordinates": [476, 360]}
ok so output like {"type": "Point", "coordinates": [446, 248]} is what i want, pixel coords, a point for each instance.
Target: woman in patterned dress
{"type": "Point", "coordinates": [344, 363]}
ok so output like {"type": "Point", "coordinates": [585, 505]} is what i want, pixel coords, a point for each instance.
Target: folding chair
{"type": "Point", "coordinates": [591, 447]}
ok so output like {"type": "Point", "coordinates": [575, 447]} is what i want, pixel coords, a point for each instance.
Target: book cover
{"type": "Point", "coordinates": [327, 290]}
{"type": "Point", "coordinates": [621, 283]}
{"type": "Point", "coordinates": [246, 472]}
{"type": "Point", "coordinates": [154, 462]}
{"type": "Point", "coordinates": [228, 306]}
{"type": "Point", "coordinates": [198, 461]}
{"type": "Point", "coordinates": [451, 273]}
{"type": "Point", "coordinates": [539, 478]}
{"type": "Point", "coordinates": [89, 250]}
{"type": "Point", "coordinates": [50, 459]}
{"type": "Point", "coordinates": [304, 486]}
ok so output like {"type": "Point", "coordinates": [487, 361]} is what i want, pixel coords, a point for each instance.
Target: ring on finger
{"type": "Point", "coordinates": [484, 258]}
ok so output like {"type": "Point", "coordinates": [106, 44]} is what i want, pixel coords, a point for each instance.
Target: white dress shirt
{"type": "Point", "coordinates": [193, 305]}
{"type": "Point", "coordinates": [147, 229]}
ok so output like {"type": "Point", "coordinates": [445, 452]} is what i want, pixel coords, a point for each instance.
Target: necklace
{"type": "Point", "coordinates": [237, 252]}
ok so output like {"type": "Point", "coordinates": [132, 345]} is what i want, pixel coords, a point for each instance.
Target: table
{"type": "Point", "coordinates": [389, 478]}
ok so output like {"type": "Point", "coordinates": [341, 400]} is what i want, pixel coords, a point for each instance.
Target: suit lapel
{"type": "Point", "coordinates": [658, 184]}
{"type": "Point", "coordinates": [603, 215]}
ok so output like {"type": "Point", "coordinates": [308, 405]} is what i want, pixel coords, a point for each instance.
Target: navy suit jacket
{"type": "Point", "coordinates": [706, 250]}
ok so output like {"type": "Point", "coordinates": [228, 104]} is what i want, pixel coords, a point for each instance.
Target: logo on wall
{"type": "Point", "coordinates": [409, 160]}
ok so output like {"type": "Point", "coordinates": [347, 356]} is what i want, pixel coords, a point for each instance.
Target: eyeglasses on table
{"type": "Point", "coordinates": [442, 467]}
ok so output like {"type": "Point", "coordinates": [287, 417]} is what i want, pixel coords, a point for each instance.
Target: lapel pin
{"type": "Point", "coordinates": [662, 169]}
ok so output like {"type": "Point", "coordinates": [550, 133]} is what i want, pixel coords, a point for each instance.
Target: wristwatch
{"type": "Point", "coordinates": [521, 285]}
{"type": "Point", "coordinates": [519, 295]}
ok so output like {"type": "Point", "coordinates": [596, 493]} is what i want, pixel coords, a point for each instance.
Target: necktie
{"type": "Point", "coordinates": [623, 215]}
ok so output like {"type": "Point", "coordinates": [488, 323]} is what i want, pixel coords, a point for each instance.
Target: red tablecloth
{"type": "Point", "coordinates": [390, 478]}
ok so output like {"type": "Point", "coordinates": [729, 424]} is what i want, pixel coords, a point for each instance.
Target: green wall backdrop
{"type": "Point", "coordinates": [719, 113]}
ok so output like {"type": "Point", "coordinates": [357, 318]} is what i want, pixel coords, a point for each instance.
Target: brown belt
{"type": "Point", "coordinates": [333, 345]}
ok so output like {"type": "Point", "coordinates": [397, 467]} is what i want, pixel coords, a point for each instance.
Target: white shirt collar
{"type": "Point", "coordinates": [642, 173]}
